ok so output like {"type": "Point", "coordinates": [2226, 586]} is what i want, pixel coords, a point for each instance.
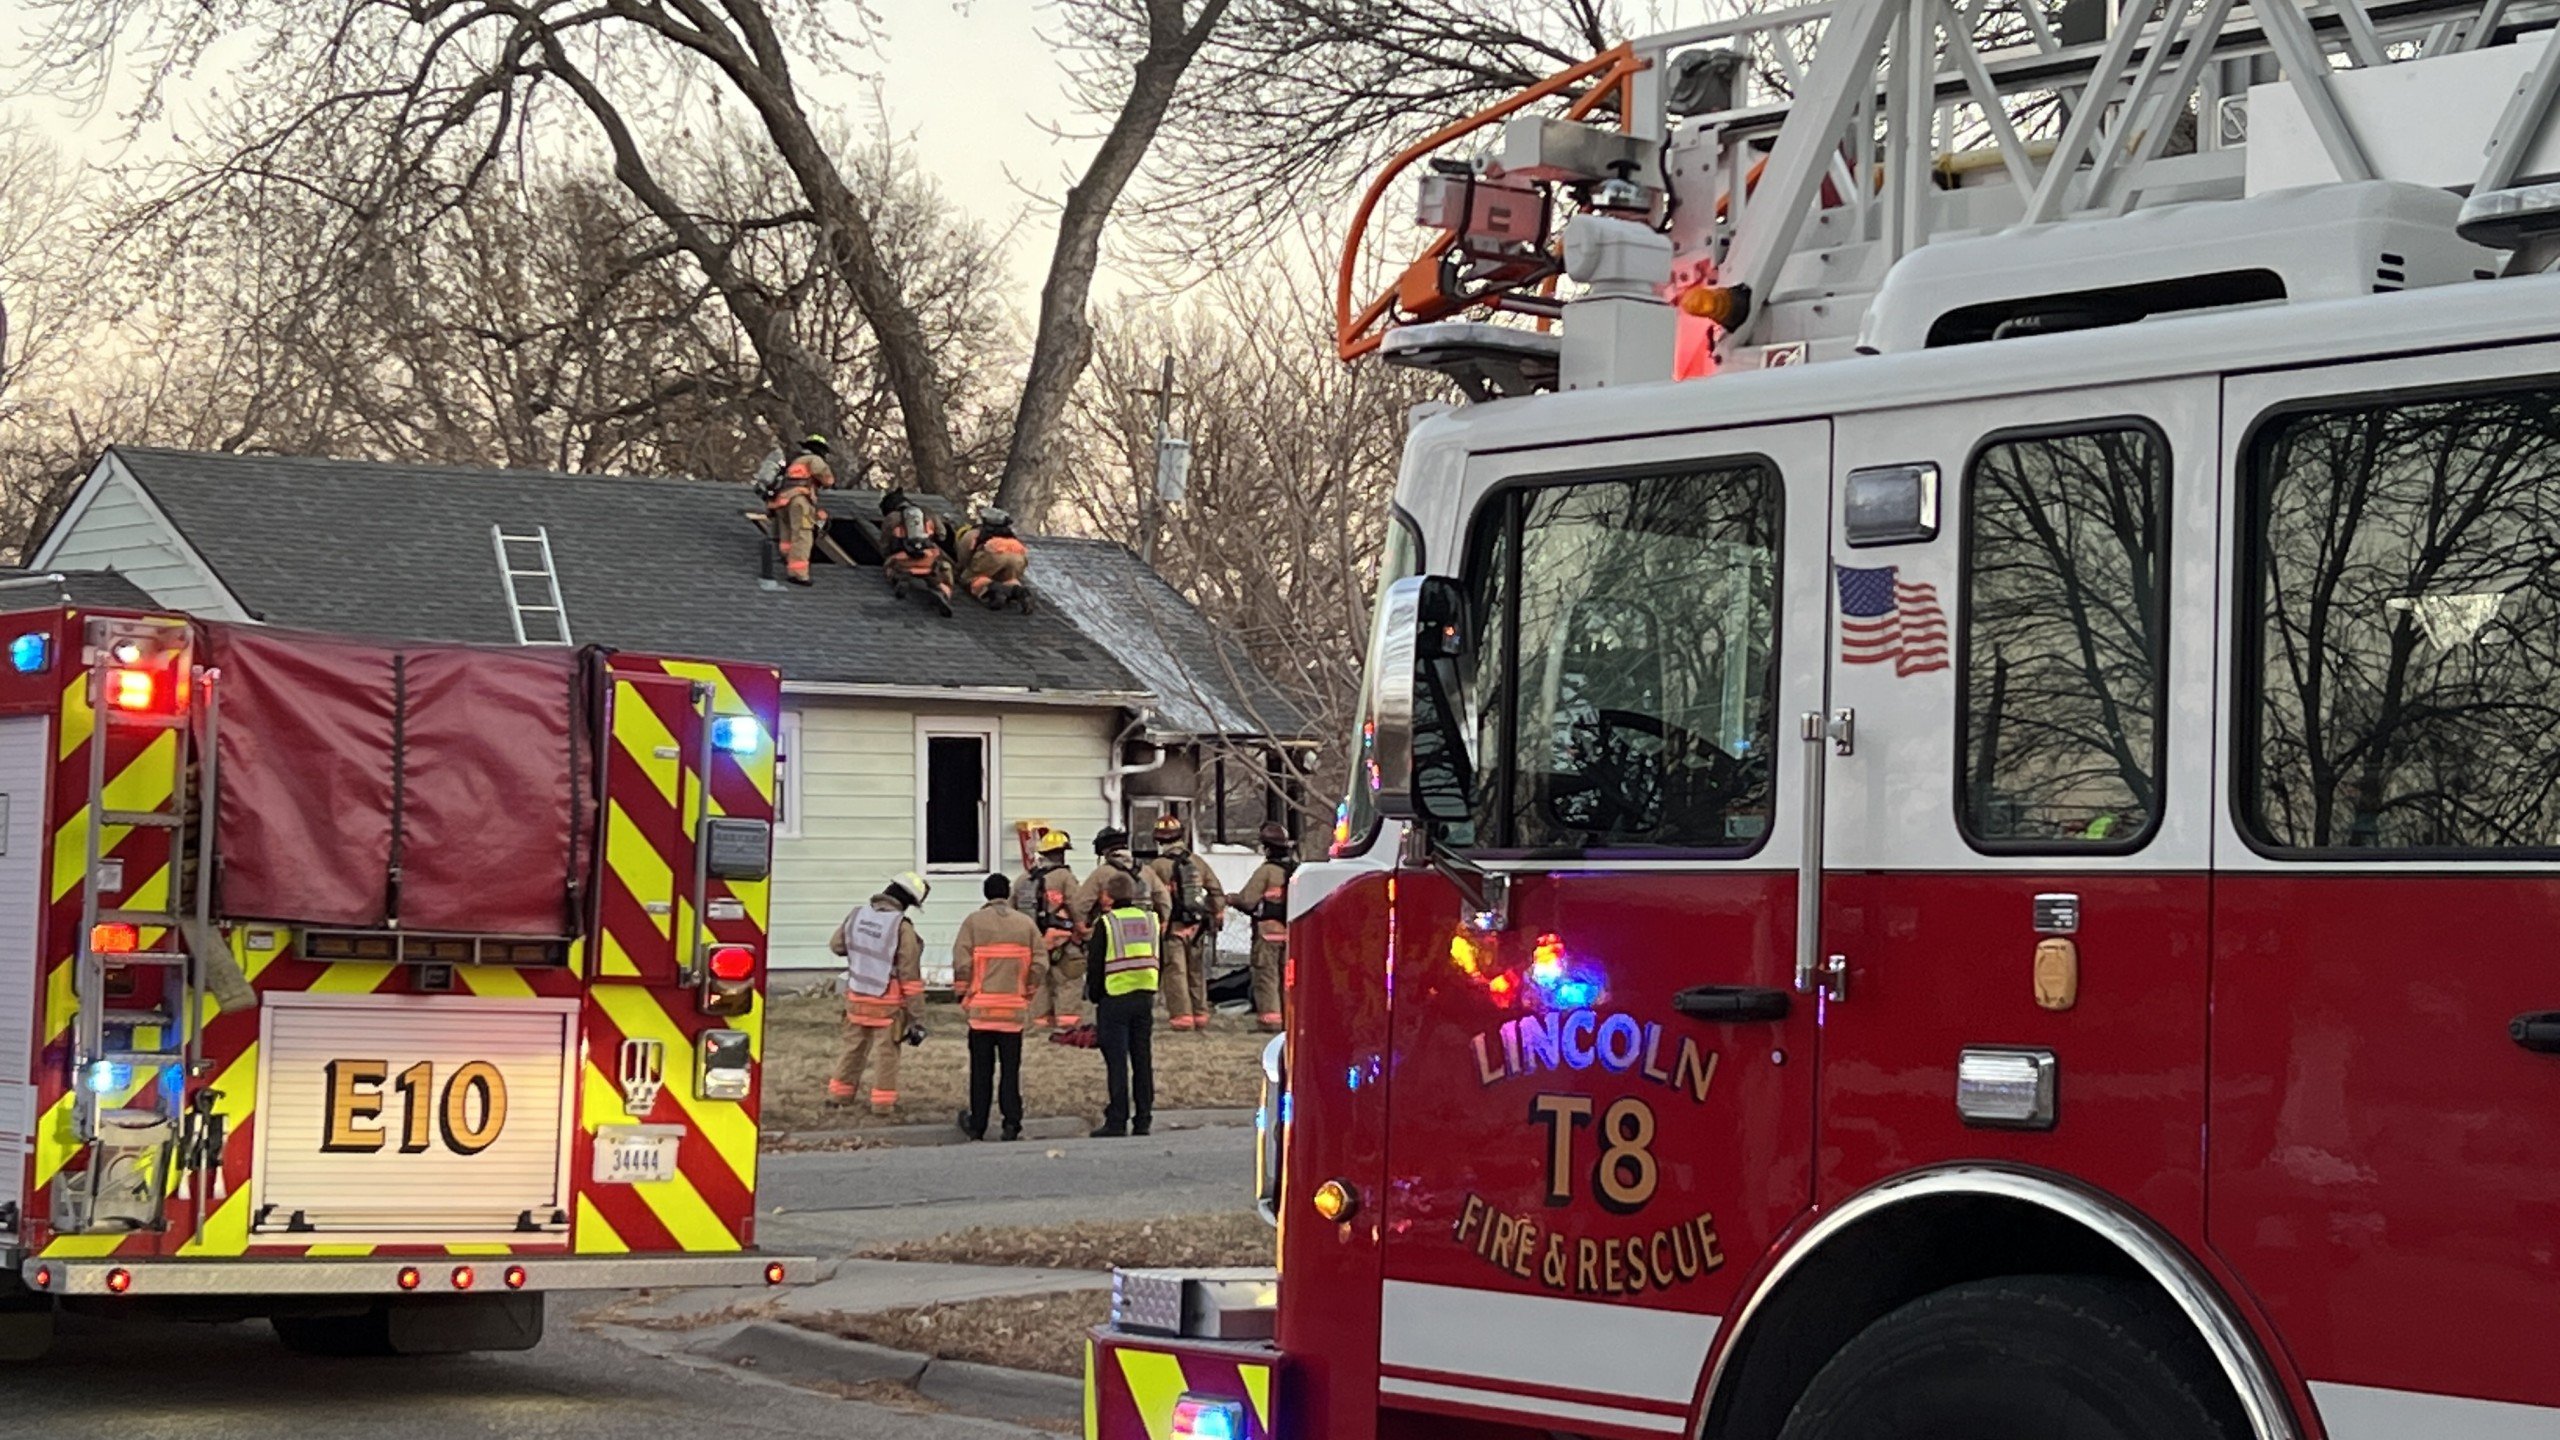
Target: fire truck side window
{"type": "Point", "coordinates": [1356, 821]}
{"type": "Point", "coordinates": [2064, 639]}
{"type": "Point", "coordinates": [2400, 681]}
{"type": "Point", "coordinates": [1626, 677]}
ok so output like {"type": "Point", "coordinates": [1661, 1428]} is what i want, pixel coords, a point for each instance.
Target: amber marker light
{"type": "Point", "coordinates": [1334, 1201]}
{"type": "Point", "coordinates": [1723, 306]}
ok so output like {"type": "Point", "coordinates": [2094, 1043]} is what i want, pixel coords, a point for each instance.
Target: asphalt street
{"type": "Point", "coordinates": [136, 1381]}
{"type": "Point", "coordinates": [834, 1203]}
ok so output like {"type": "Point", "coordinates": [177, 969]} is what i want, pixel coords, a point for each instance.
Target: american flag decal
{"type": "Point", "coordinates": [1883, 618]}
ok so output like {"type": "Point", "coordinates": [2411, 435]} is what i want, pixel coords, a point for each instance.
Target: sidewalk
{"type": "Point", "coordinates": [944, 1132]}
{"type": "Point", "coordinates": [783, 1335]}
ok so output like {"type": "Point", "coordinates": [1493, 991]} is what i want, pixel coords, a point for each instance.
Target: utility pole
{"type": "Point", "coordinates": [1151, 487]}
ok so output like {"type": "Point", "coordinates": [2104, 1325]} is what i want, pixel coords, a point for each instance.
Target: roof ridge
{"type": "Point", "coordinates": [476, 472]}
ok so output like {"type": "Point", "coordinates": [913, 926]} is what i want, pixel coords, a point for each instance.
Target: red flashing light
{"type": "Point", "coordinates": [409, 1277]}
{"type": "Point", "coordinates": [463, 1279]}
{"type": "Point", "coordinates": [515, 1277]}
{"type": "Point", "coordinates": [133, 689]}
{"type": "Point", "coordinates": [115, 937]}
{"type": "Point", "coordinates": [44, 1277]}
{"type": "Point", "coordinates": [733, 963]}
{"type": "Point", "coordinates": [773, 1273]}
{"type": "Point", "coordinates": [119, 1280]}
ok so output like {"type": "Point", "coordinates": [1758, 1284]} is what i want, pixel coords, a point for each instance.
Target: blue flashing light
{"type": "Point", "coordinates": [107, 1077]}
{"type": "Point", "coordinates": [29, 652]}
{"type": "Point", "coordinates": [737, 734]}
{"type": "Point", "coordinates": [1197, 1418]}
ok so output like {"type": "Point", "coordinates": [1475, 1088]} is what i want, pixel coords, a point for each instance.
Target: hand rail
{"type": "Point", "coordinates": [1615, 70]}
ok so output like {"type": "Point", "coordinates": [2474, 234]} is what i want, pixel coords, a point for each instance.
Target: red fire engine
{"type": "Point", "coordinates": [379, 989]}
{"type": "Point", "coordinates": [1989, 869]}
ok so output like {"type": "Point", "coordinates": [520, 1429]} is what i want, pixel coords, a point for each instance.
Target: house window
{"type": "Point", "coordinates": [786, 777]}
{"type": "Point", "coordinates": [955, 795]}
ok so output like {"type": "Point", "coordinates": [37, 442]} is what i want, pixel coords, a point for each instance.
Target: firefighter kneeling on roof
{"type": "Point", "coordinates": [993, 560]}
{"type": "Point", "coordinates": [918, 550]}
{"type": "Point", "coordinates": [995, 970]}
{"type": "Point", "coordinates": [883, 991]}
{"type": "Point", "coordinates": [1198, 906]}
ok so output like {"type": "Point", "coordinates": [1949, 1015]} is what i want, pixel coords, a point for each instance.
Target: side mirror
{"type": "Point", "coordinates": [1420, 746]}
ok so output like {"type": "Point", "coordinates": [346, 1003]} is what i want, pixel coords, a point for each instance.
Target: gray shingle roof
{"type": "Point", "coordinates": [668, 565]}
{"type": "Point", "coordinates": [98, 589]}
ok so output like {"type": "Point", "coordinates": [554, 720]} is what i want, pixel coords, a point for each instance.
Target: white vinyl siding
{"type": "Point", "coordinates": [116, 527]}
{"type": "Point", "coordinates": [857, 790]}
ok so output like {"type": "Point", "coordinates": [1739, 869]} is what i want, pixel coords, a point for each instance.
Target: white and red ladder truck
{"type": "Point", "coordinates": [1957, 830]}
{"type": "Point", "coordinates": [376, 989]}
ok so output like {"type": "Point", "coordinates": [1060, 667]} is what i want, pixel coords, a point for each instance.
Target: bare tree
{"type": "Point", "coordinates": [446, 92]}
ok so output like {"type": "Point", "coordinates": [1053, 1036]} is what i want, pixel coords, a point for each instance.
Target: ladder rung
{"type": "Point", "coordinates": [160, 818]}
{"type": "Point", "coordinates": [153, 1058]}
{"type": "Point", "coordinates": [136, 1018]}
{"type": "Point", "coordinates": [166, 920]}
{"type": "Point", "coordinates": [143, 957]}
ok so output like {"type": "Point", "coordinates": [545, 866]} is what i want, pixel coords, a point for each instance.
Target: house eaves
{"type": "Point", "coordinates": [971, 694]}
{"type": "Point", "coordinates": [111, 467]}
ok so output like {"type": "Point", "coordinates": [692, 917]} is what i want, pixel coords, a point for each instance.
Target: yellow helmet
{"type": "Point", "coordinates": [912, 885]}
{"type": "Point", "coordinates": [1054, 840]}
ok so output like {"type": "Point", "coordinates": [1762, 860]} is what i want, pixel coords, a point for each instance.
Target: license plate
{"type": "Point", "coordinates": [636, 1154]}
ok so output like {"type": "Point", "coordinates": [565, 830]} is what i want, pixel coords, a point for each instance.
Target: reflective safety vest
{"type": "Point", "coordinates": [999, 992]}
{"type": "Point", "coordinates": [1129, 956]}
{"type": "Point", "coordinates": [872, 994]}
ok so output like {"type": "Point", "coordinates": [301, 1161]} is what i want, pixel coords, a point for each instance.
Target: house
{"type": "Point", "coordinates": [908, 741]}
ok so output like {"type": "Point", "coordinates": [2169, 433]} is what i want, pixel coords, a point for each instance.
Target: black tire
{"type": "Point", "coordinates": [2030, 1357]}
{"type": "Point", "coordinates": [336, 1337]}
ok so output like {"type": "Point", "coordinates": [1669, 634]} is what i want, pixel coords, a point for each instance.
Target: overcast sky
{"type": "Point", "coordinates": [969, 86]}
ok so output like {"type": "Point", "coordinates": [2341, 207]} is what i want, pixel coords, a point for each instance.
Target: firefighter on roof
{"type": "Point", "coordinates": [794, 506]}
{"type": "Point", "coordinates": [883, 991]}
{"type": "Point", "coordinates": [1121, 984]}
{"type": "Point", "coordinates": [996, 967]}
{"type": "Point", "coordinates": [993, 560]}
{"type": "Point", "coordinates": [1197, 906]}
{"type": "Point", "coordinates": [1047, 895]}
{"type": "Point", "coordinates": [917, 550]}
{"type": "Point", "coordinates": [1265, 898]}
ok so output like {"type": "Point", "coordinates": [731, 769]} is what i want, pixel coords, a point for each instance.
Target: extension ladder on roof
{"type": "Point", "coordinates": [525, 560]}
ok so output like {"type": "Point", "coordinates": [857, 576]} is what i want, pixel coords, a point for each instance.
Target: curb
{"type": "Point", "coordinates": [1055, 1127]}
{"type": "Point", "coordinates": [787, 1352]}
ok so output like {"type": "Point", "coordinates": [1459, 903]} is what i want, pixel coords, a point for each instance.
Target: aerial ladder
{"type": "Point", "coordinates": [1793, 180]}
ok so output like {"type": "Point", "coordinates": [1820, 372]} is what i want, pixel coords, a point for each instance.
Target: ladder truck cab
{"type": "Point", "coordinates": [1957, 824]}
{"type": "Point", "coordinates": [378, 989]}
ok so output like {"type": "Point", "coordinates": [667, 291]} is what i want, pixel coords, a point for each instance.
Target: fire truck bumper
{"type": "Point", "coordinates": [1187, 1356]}
{"type": "Point", "coordinates": [1150, 1387]}
{"type": "Point", "coordinates": [410, 1274]}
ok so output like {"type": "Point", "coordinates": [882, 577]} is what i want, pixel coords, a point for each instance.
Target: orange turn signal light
{"type": "Point", "coordinates": [1335, 1201]}
{"type": "Point", "coordinates": [114, 937]}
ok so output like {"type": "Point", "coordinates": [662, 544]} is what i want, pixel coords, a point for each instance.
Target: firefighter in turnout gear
{"type": "Point", "coordinates": [1047, 895]}
{"type": "Point", "coordinates": [883, 991]}
{"type": "Point", "coordinates": [996, 967]}
{"type": "Point", "coordinates": [993, 560]}
{"type": "Point", "coordinates": [1265, 901]}
{"type": "Point", "coordinates": [794, 506]}
{"type": "Point", "coordinates": [918, 550]}
{"type": "Point", "coordinates": [1111, 852]}
{"type": "Point", "coordinates": [1197, 906]}
{"type": "Point", "coordinates": [1121, 981]}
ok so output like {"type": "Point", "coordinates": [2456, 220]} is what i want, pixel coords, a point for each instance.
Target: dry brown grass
{"type": "Point", "coordinates": [1187, 1242]}
{"type": "Point", "coordinates": [1216, 1070]}
{"type": "Point", "coordinates": [1021, 1332]}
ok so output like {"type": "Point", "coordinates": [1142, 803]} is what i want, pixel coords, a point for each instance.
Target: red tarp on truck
{"type": "Point", "coordinates": [440, 788]}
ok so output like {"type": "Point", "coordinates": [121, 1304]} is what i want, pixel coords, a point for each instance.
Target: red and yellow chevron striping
{"type": "Point", "coordinates": [1131, 1386]}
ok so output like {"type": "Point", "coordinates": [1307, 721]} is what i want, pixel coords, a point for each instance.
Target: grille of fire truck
{"type": "Point", "coordinates": [1796, 156]}
{"type": "Point", "coordinates": [532, 583]}
{"type": "Point", "coordinates": [136, 1056]}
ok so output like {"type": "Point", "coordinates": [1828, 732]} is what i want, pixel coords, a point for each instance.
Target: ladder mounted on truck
{"type": "Point", "coordinates": [131, 1062]}
{"type": "Point", "coordinates": [2192, 154]}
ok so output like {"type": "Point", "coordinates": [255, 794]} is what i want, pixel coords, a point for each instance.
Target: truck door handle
{"type": "Point", "coordinates": [2538, 1031]}
{"type": "Point", "coordinates": [1731, 1003]}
